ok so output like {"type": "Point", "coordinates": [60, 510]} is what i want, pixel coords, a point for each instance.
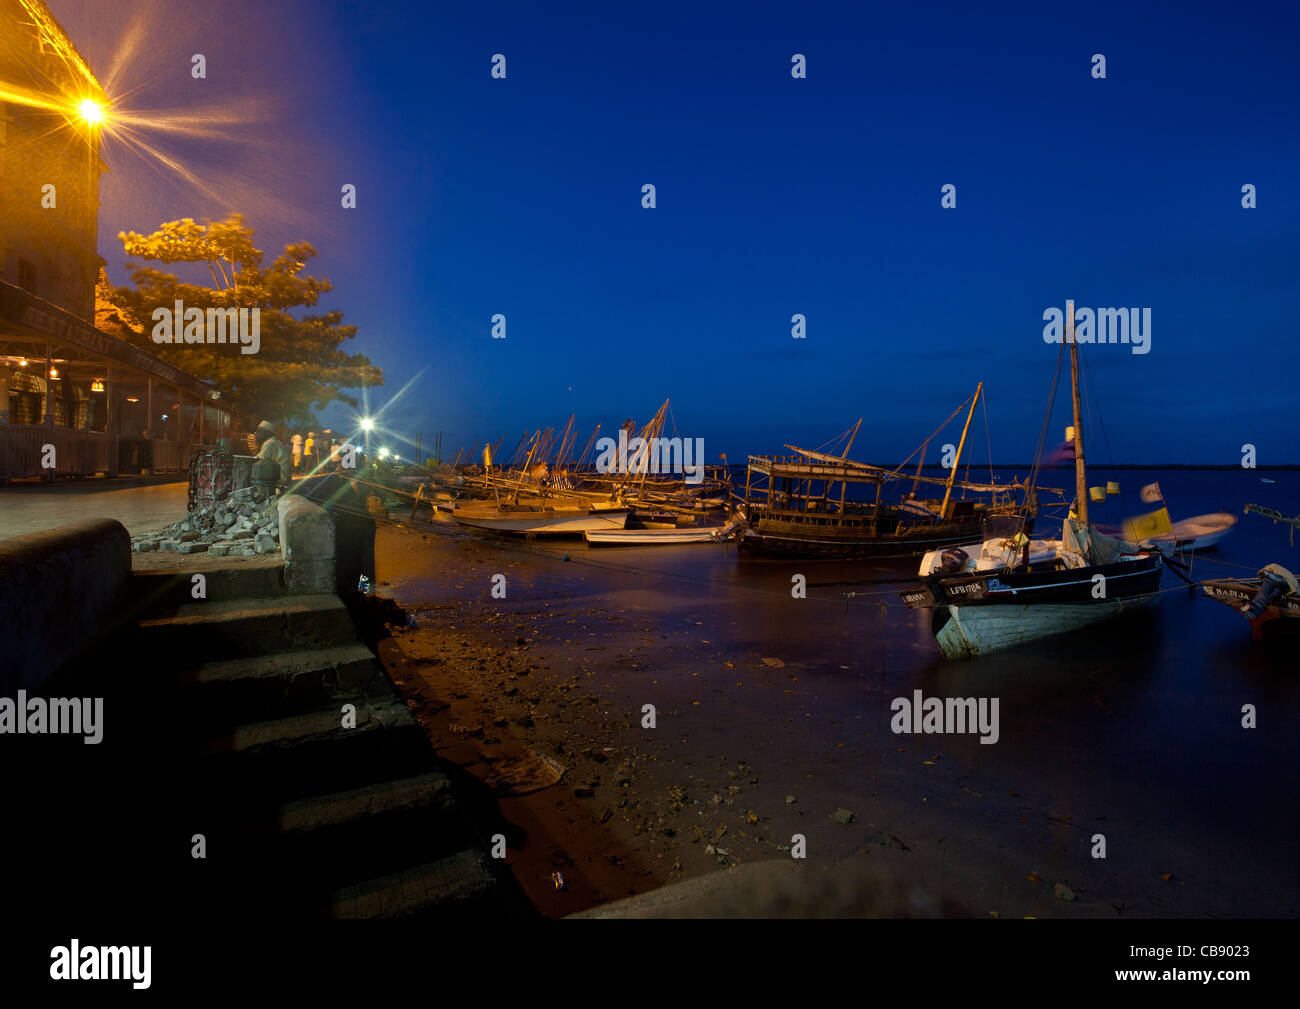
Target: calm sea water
{"type": "Point", "coordinates": [1138, 723]}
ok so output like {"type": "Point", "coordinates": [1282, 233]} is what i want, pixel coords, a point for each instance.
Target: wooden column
{"type": "Point", "coordinates": [49, 388]}
{"type": "Point", "coordinates": [110, 416]}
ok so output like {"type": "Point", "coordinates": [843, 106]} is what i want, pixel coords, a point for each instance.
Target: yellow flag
{"type": "Point", "coordinates": [1143, 527]}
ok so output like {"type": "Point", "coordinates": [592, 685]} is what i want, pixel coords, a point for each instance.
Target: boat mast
{"type": "Point", "coordinates": [844, 484]}
{"type": "Point", "coordinates": [962, 444]}
{"type": "Point", "coordinates": [527, 464]}
{"type": "Point", "coordinates": [852, 438]}
{"type": "Point", "coordinates": [1080, 470]}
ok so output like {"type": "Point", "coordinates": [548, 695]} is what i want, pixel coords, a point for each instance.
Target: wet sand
{"type": "Point", "coordinates": [770, 720]}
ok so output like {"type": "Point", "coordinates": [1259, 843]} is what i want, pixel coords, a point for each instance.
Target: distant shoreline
{"type": "Point", "coordinates": [1290, 467]}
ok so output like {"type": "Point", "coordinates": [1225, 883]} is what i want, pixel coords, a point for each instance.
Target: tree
{"type": "Point", "coordinates": [299, 367]}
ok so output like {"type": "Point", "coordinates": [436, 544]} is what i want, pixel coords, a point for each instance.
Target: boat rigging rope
{"type": "Point", "coordinates": [897, 471]}
{"type": "Point", "coordinates": [988, 438]}
{"type": "Point", "coordinates": [1047, 420]}
{"type": "Point", "coordinates": [1096, 412]}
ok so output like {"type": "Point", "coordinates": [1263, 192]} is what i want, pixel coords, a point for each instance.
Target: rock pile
{"type": "Point", "coordinates": [244, 524]}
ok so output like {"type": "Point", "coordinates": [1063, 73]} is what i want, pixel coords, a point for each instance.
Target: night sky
{"type": "Point", "coordinates": [775, 196]}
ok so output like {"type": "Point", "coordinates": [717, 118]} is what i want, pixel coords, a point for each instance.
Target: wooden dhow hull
{"type": "Point", "coordinates": [971, 631]}
{"type": "Point", "coordinates": [775, 538]}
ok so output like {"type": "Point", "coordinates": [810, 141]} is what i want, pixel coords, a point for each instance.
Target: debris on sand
{"type": "Point", "coordinates": [529, 772]}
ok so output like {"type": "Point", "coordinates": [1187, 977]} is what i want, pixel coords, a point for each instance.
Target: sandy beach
{"type": "Point", "coordinates": [754, 743]}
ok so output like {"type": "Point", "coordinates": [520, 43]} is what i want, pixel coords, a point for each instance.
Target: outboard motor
{"type": "Point", "coordinates": [1275, 582]}
{"type": "Point", "coordinates": [952, 561]}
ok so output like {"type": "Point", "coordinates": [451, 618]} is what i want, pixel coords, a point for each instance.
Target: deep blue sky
{"type": "Point", "coordinates": [775, 196]}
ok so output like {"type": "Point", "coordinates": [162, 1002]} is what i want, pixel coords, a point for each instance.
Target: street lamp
{"type": "Point", "coordinates": [367, 425]}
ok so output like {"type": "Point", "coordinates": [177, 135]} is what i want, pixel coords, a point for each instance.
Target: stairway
{"type": "Point", "coordinates": [289, 749]}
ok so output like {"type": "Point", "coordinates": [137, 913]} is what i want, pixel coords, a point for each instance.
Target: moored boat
{"type": "Point", "coordinates": [1067, 584]}
{"type": "Point", "coordinates": [800, 506]}
{"type": "Point", "coordinates": [1201, 532]}
{"type": "Point", "coordinates": [1273, 594]}
{"type": "Point", "coordinates": [657, 537]}
{"type": "Point", "coordinates": [525, 520]}
{"type": "Point", "coordinates": [1024, 591]}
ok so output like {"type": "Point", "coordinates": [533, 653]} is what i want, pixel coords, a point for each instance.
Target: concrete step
{"type": "Point", "coordinates": [313, 754]}
{"type": "Point", "coordinates": [431, 790]}
{"type": "Point", "coordinates": [247, 627]}
{"type": "Point", "coordinates": [347, 837]}
{"type": "Point", "coordinates": [154, 593]}
{"type": "Point", "coordinates": [456, 887]}
{"type": "Point", "coordinates": [230, 692]}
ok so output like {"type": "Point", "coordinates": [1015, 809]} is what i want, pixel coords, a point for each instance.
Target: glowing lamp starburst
{"type": "Point", "coordinates": [91, 111]}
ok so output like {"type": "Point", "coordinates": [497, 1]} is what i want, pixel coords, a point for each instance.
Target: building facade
{"type": "Point", "coordinates": [73, 399]}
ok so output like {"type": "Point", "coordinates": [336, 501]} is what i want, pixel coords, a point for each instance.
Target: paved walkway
{"type": "Point", "coordinates": [142, 508]}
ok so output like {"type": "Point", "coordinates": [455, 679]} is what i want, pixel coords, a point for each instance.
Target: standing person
{"type": "Point", "coordinates": [274, 464]}
{"type": "Point", "coordinates": [296, 441]}
{"type": "Point", "coordinates": [309, 452]}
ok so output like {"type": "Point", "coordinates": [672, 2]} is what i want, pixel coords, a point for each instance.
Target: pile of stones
{"type": "Point", "coordinates": [244, 524]}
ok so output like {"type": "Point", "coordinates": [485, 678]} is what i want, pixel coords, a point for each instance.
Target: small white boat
{"type": "Point", "coordinates": [1198, 533]}
{"type": "Point", "coordinates": [655, 537]}
{"type": "Point", "coordinates": [563, 520]}
{"type": "Point", "coordinates": [992, 554]}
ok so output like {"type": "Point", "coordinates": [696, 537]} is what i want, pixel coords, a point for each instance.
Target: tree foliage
{"type": "Point", "coordinates": [299, 367]}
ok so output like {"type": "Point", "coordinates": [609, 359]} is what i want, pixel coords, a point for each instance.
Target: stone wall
{"type": "Point", "coordinates": [58, 591]}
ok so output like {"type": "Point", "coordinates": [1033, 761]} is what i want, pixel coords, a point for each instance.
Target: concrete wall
{"type": "Point", "coordinates": [58, 591]}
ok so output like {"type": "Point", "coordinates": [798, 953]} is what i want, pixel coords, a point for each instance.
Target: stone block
{"type": "Point", "coordinates": [307, 539]}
